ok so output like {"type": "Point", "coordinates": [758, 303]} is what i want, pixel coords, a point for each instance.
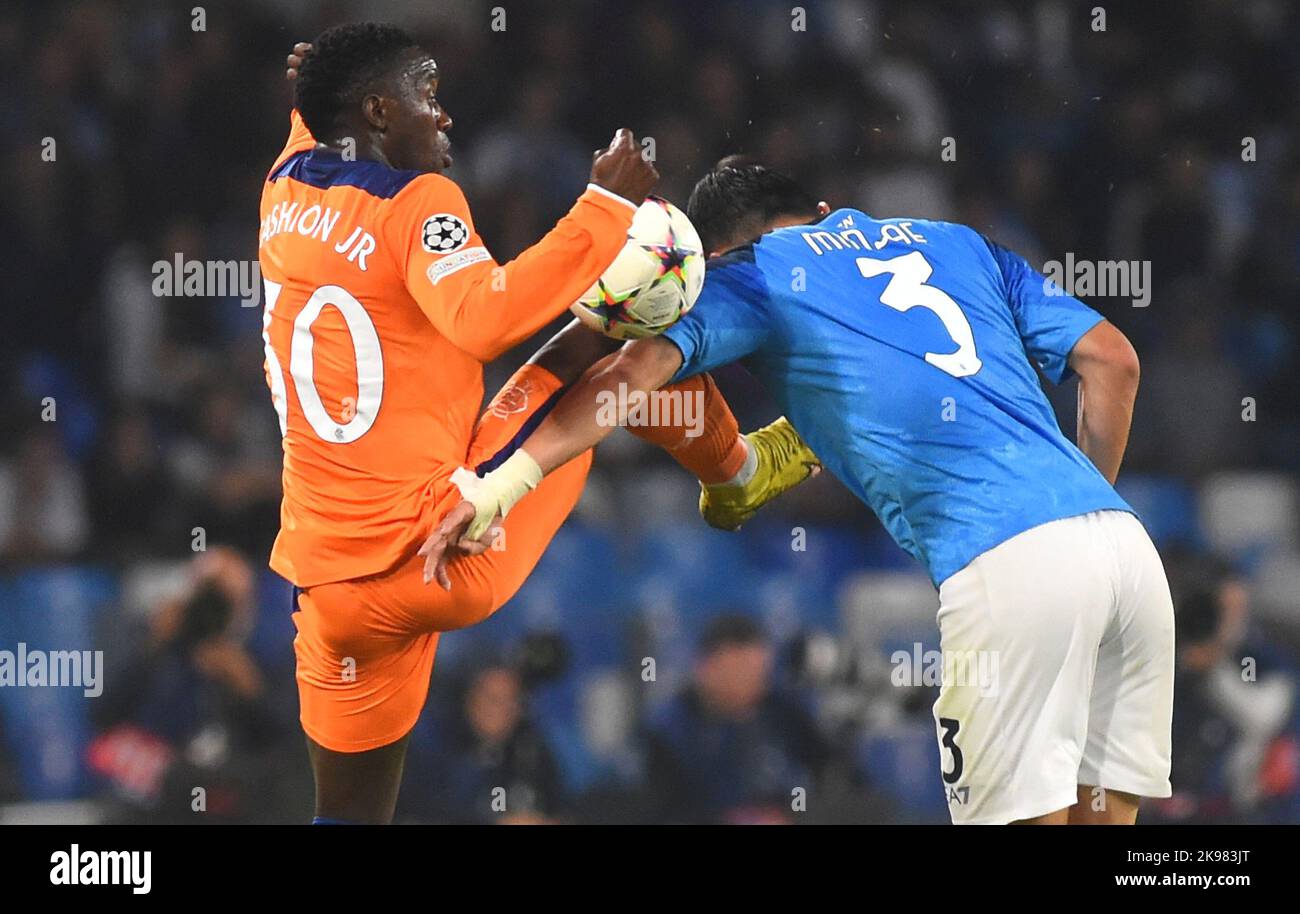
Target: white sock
{"type": "Point", "coordinates": [747, 469]}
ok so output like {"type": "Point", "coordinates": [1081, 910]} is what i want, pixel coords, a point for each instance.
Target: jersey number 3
{"type": "Point", "coordinates": [907, 289]}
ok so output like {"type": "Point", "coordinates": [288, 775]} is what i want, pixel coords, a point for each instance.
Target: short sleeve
{"type": "Point", "coordinates": [1049, 320]}
{"type": "Point", "coordinates": [729, 320]}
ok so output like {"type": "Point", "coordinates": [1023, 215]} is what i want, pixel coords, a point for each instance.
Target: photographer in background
{"type": "Point", "coordinates": [187, 712]}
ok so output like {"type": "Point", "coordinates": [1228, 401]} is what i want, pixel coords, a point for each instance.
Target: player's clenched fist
{"type": "Point", "coordinates": [622, 169]}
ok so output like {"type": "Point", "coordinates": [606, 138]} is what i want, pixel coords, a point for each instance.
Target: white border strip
{"type": "Point", "coordinates": [612, 195]}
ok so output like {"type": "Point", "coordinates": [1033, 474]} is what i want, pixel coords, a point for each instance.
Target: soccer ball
{"type": "Point", "coordinates": [652, 282]}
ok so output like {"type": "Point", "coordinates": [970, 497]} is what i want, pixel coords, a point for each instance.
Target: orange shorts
{"type": "Point", "coordinates": [365, 647]}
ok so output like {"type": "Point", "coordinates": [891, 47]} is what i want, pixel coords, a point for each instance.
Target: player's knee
{"type": "Point", "coordinates": [479, 607]}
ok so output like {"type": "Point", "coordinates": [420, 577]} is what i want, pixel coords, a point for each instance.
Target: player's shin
{"type": "Point", "coordinates": [693, 423]}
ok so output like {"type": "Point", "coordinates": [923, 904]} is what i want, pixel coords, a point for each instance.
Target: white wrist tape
{"type": "Point", "coordinates": [498, 491]}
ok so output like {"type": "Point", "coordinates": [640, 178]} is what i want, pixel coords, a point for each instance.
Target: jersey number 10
{"type": "Point", "coordinates": [369, 356]}
{"type": "Point", "coordinates": [907, 289]}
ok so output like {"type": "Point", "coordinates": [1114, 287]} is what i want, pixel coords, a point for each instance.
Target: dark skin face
{"type": "Point", "coordinates": [401, 123]}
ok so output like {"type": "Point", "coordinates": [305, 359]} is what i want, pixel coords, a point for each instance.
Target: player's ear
{"type": "Point", "coordinates": [375, 110]}
{"type": "Point", "coordinates": [823, 208]}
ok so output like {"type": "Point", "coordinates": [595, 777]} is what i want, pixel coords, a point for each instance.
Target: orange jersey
{"type": "Point", "coordinates": [382, 304]}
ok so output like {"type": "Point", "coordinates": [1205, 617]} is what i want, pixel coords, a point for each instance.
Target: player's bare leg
{"type": "Point", "coordinates": [1097, 806]}
{"type": "Point", "coordinates": [357, 788]}
{"type": "Point", "coordinates": [1058, 817]}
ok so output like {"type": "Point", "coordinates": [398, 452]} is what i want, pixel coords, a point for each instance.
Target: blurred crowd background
{"type": "Point", "coordinates": [651, 670]}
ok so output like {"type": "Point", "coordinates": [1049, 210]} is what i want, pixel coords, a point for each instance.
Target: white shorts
{"type": "Point", "coordinates": [1059, 670]}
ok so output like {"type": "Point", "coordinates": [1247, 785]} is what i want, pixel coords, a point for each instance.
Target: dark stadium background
{"type": "Point", "coordinates": [1118, 144]}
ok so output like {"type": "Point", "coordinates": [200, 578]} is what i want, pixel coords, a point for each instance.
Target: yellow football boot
{"type": "Point", "coordinates": [784, 461]}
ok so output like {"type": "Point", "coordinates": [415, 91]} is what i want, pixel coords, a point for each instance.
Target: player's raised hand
{"type": "Point", "coordinates": [295, 59]}
{"type": "Point", "coordinates": [448, 541]}
{"type": "Point", "coordinates": [622, 168]}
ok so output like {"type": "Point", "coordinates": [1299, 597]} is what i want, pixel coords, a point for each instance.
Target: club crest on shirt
{"type": "Point", "coordinates": [443, 233]}
{"type": "Point", "coordinates": [512, 400]}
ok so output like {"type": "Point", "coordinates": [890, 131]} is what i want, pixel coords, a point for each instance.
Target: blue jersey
{"type": "Point", "coordinates": [903, 351]}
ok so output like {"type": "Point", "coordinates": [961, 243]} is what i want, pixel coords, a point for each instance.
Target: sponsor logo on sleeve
{"type": "Point", "coordinates": [443, 233]}
{"type": "Point", "coordinates": [445, 266]}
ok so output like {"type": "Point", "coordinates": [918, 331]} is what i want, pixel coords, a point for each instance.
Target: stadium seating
{"type": "Point", "coordinates": [1247, 513]}
{"type": "Point", "coordinates": [47, 728]}
{"type": "Point", "coordinates": [618, 596]}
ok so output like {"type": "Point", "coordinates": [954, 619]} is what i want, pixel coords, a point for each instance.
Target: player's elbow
{"type": "Point", "coordinates": [484, 349]}
{"type": "Point", "coordinates": [1105, 351]}
{"type": "Point", "coordinates": [1120, 360]}
{"type": "Point", "coordinates": [1123, 363]}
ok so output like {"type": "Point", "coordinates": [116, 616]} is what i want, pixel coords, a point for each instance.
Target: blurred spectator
{"type": "Point", "coordinates": [188, 713]}
{"type": "Point", "coordinates": [42, 502]}
{"type": "Point", "coordinates": [228, 467]}
{"type": "Point", "coordinates": [1229, 748]}
{"type": "Point", "coordinates": [134, 502]}
{"type": "Point", "coordinates": [488, 764]}
{"type": "Point", "coordinates": [730, 748]}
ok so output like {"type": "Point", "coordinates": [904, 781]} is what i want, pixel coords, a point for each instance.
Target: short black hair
{"type": "Point", "coordinates": [344, 62]}
{"type": "Point", "coordinates": [730, 630]}
{"type": "Point", "coordinates": [740, 197]}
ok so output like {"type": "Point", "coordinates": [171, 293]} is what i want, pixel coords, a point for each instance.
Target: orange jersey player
{"type": "Point", "coordinates": [382, 306]}
{"type": "Point", "coordinates": [382, 303]}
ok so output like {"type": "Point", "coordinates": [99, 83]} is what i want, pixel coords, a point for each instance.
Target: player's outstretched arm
{"type": "Point", "coordinates": [1108, 371]}
{"type": "Point", "coordinates": [580, 420]}
{"type": "Point", "coordinates": [486, 309]}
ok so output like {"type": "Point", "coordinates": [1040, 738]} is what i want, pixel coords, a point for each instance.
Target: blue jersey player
{"type": "Point", "coordinates": [906, 353]}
